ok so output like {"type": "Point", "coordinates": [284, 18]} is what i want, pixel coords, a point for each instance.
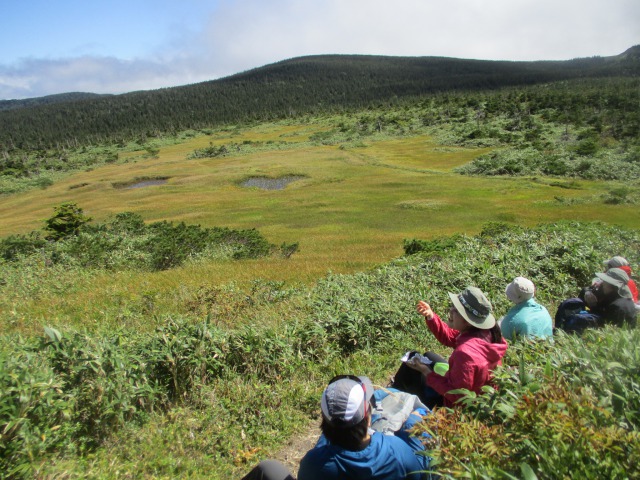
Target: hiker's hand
{"type": "Point", "coordinates": [424, 309]}
{"type": "Point", "coordinates": [416, 364]}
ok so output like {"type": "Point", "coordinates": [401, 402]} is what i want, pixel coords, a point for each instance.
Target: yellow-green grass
{"type": "Point", "coordinates": [352, 210]}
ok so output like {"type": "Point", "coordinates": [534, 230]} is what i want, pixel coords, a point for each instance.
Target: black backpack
{"type": "Point", "coordinates": [572, 317]}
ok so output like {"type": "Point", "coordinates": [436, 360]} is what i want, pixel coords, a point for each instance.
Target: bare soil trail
{"type": "Point", "coordinates": [292, 453]}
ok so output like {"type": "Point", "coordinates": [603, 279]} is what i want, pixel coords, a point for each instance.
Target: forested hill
{"type": "Point", "coordinates": [290, 87]}
{"type": "Point", "coordinates": [47, 100]}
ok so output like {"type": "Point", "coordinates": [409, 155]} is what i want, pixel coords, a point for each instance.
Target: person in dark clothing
{"type": "Point", "coordinates": [611, 299]}
{"type": "Point", "coordinates": [622, 263]}
{"type": "Point", "coordinates": [269, 470]}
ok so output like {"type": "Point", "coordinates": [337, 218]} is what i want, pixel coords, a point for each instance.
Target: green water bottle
{"type": "Point", "coordinates": [441, 368]}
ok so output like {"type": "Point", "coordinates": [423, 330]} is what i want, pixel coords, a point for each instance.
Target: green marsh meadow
{"type": "Point", "coordinates": [199, 368]}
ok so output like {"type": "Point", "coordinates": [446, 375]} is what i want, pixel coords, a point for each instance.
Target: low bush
{"type": "Point", "coordinates": [571, 404]}
{"type": "Point", "coordinates": [128, 243]}
{"type": "Point", "coordinates": [559, 410]}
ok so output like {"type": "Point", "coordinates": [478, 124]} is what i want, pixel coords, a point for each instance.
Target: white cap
{"type": "Point", "coordinates": [520, 290]}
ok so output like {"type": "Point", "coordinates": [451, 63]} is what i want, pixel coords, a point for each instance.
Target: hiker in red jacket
{"type": "Point", "coordinates": [474, 335]}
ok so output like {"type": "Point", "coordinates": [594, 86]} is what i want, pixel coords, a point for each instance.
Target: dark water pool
{"type": "Point", "coordinates": [266, 183]}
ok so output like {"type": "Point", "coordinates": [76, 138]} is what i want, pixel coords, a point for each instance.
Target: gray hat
{"type": "Point", "coordinates": [618, 278]}
{"type": "Point", "coordinates": [520, 290]}
{"type": "Point", "coordinates": [616, 262]}
{"type": "Point", "coordinates": [474, 307]}
{"type": "Point", "coordinates": [346, 400]}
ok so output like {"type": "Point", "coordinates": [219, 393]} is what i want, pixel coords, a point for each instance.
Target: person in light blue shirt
{"type": "Point", "coordinates": [526, 318]}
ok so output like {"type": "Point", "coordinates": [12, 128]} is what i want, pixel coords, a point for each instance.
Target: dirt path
{"type": "Point", "coordinates": [292, 453]}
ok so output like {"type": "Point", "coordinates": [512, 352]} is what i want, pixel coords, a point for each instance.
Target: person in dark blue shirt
{"type": "Point", "coordinates": [349, 449]}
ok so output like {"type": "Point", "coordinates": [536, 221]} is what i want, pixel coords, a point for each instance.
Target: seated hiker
{"type": "Point", "coordinates": [611, 299]}
{"type": "Point", "coordinates": [526, 318]}
{"type": "Point", "coordinates": [592, 291]}
{"type": "Point", "coordinates": [365, 434]}
{"type": "Point", "coordinates": [623, 264]}
{"type": "Point", "coordinates": [349, 449]}
{"type": "Point", "coordinates": [478, 347]}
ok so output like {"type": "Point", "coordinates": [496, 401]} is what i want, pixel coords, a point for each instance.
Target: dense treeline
{"type": "Point", "coordinates": [46, 100]}
{"type": "Point", "coordinates": [304, 85]}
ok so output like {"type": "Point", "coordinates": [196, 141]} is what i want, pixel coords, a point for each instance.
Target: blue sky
{"type": "Point", "coordinates": [117, 46]}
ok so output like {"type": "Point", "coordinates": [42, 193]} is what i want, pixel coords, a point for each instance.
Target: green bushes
{"type": "Point", "coordinates": [34, 410]}
{"type": "Point", "coordinates": [560, 410]}
{"type": "Point", "coordinates": [571, 404]}
{"type": "Point", "coordinates": [127, 243]}
{"type": "Point", "coordinates": [67, 221]}
{"type": "Point", "coordinates": [68, 391]}
{"type": "Point", "coordinates": [531, 162]}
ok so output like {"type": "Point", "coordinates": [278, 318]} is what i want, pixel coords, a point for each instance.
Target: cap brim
{"type": "Point", "coordinates": [625, 292]}
{"type": "Point", "coordinates": [481, 323]}
{"type": "Point", "coordinates": [610, 280]}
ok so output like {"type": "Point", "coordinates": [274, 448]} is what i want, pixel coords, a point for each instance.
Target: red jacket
{"type": "Point", "coordinates": [471, 362]}
{"type": "Point", "coordinates": [632, 285]}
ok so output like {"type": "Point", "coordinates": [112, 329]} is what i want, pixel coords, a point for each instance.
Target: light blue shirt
{"type": "Point", "coordinates": [527, 319]}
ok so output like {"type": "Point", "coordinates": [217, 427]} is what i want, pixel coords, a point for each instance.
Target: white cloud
{"type": "Point", "coordinates": [243, 34]}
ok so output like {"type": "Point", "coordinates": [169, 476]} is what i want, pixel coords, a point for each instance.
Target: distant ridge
{"type": "Point", "coordinates": [308, 84]}
{"type": "Point", "coordinates": [47, 100]}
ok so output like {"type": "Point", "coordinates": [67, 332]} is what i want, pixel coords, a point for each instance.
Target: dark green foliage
{"type": "Point", "coordinates": [67, 221]}
{"type": "Point", "coordinates": [128, 243]}
{"type": "Point", "coordinates": [25, 163]}
{"type": "Point", "coordinates": [288, 249]}
{"type": "Point", "coordinates": [617, 196]}
{"type": "Point", "coordinates": [15, 246]}
{"type": "Point", "coordinates": [170, 245]}
{"type": "Point", "coordinates": [211, 151]}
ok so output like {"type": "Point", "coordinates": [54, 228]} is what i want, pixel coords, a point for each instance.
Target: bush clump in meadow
{"type": "Point", "coordinates": [126, 242]}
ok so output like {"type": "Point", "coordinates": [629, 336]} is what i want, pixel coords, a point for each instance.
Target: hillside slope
{"type": "Point", "coordinates": [287, 88]}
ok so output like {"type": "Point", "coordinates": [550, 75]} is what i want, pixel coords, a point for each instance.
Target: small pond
{"type": "Point", "coordinates": [266, 183]}
{"type": "Point", "coordinates": [146, 183]}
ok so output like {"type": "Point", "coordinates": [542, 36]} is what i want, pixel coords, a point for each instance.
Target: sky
{"type": "Point", "coordinates": [117, 46]}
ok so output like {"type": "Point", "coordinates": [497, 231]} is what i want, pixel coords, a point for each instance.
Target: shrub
{"type": "Point", "coordinates": [128, 243]}
{"type": "Point", "coordinates": [67, 221]}
{"type": "Point", "coordinates": [555, 413]}
{"type": "Point", "coordinates": [15, 246]}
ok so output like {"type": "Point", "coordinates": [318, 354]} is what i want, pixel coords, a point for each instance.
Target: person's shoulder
{"type": "Point", "coordinates": [316, 460]}
{"type": "Point", "coordinates": [319, 452]}
{"type": "Point", "coordinates": [623, 302]}
{"type": "Point", "coordinates": [389, 445]}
